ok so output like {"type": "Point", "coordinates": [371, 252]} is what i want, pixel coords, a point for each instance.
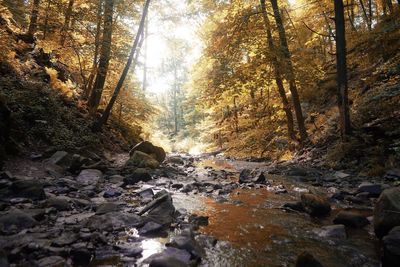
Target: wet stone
{"type": "Point", "coordinates": [130, 249]}
{"type": "Point", "coordinates": [351, 219]}
{"type": "Point", "coordinates": [315, 205]}
{"type": "Point", "coordinates": [89, 177]}
{"type": "Point", "coordinates": [106, 208]}
{"type": "Point", "coordinates": [111, 192]}
{"type": "Point", "coordinates": [373, 190]}
{"type": "Point", "coordinates": [15, 221]}
{"type": "Point", "coordinates": [51, 261]}
{"type": "Point", "coordinates": [332, 231]}
{"type": "Point", "coordinates": [59, 203]}
{"type": "Point", "coordinates": [150, 228]}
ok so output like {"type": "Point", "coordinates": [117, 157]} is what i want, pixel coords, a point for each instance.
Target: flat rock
{"type": "Point", "coordinates": [59, 203]}
{"type": "Point", "coordinates": [89, 177]}
{"type": "Point", "coordinates": [139, 174]}
{"type": "Point", "coordinates": [373, 190]}
{"type": "Point", "coordinates": [106, 208]}
{"type": "Point", "coordinates": [150, 228]}
{"type": "Point", "coordinates": [113, 221]}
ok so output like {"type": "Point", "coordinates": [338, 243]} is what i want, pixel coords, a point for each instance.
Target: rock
{"type": "Point", "coordinates": [146, 193]}
{"type": "Point", "coordinates": [176, 160]}
{"type": "Point", "coordinates": [16, 220]}
{"type": "Point", "coordinates": [315, 205]}
{"type": "Point", "coordinates": [161, 209]}
{"type": "Point", "coordinates": [188, 243]}
{"type": "Point", "coordinates": [113, 221]}
{"type": "Point", "coordinates": [60, 158]}
{"type": "Point", "coordinates": [51, 261]}
{"type": "Point", "coordinates": [373, 190]}
{"type": "Point", "coordinates": [297, 171]}
{"type": "Point", "coordinates": [150, 228]}
{"type": "Point", "coordinates": [341, 175]}
{"type": "Point", "coordinates": [392, 175]}
{"type": "Point", "coordinates": [261, 179]}
{"type": "Point", "coordinates": [65, 239]}
{"type": "Point", "coordinates": [387, 211]}
{"type": "Point", "coordinates": [130, 249]}
{"type": "Point", "coordinates": [351, 219]}
{"type": "Point", "coordinates": [171, 257]}
{"type": "Point", "coordinates": [305, 259]}
{"type": "Point", "coordinates": [245, 176]}
{"type": "Point", "coordinates": [111, 192]}
{"type": "Point", "coordinates": [148, 148]}
{"type": "Point", "coordinates": [3, 259]}
{"type": "Point", "coordinates": [297, 206]}
{"type": "Point", "coordinates": [163, 260]}
{"type": "Point", "coordinates": [59, 203]}
{"type": "Point", "coordinates": [138, 175]}
{"type": "Point", "coordinates": [332, 231]}
{"type": "Point", "coordinates": [142, 160]}
{"type": "Point", "coordinates": [29, 189]}
{"type": "Point", "coordinates": [391, 248]}
{"type": "Point", "coordinates": [89, 177]}
{"type": "Point", "coordinates": [80, 256]}
{"type": "Point", "coordinates": [106, 208]}
{"type": "Point", "coordinates": [116, 179]}
{"type": "Point", "coordinates": [198, 220]}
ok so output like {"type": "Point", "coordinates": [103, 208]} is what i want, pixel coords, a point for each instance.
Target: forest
{"type": "Point", "coordinates": [200, 133]}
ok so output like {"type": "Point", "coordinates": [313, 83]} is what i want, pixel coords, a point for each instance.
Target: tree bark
{"type": "Point", "coordinates": [342, 92]}
{"type": "Point", "coordinates": [34, 17]}
{"type": "Point", "coordinates": [145, 36]}
{"type": "Point", "coordinates": [89, 85]}
{"type": "Point", "coordinates": [98, 125]}
{"type": "Point", "coordinates": [290, 71]}
{"type": "Point", "coordinates": [277, 73]}
{"type": "Point", "coordinates": [367, 20]}
{"type": "Point", "coordinates": [102, 70]}
{"type": "Point", "coordinates": [46, 20]}
{"type": "Point", "coordinates": [65, 28]}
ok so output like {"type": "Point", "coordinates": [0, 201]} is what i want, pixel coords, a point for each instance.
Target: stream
{"type": "Point", "coordinates": [253, 230]}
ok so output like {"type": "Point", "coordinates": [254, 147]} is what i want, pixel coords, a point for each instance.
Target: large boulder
{"type": "Point", "coordinates": [316, 205]}
{"type": "Point", "coordinates": [160, 209]}
{"type": "Point", "coordinates": [387, 211]}
{"type": "Point", "coordinates": [142, 160]}
{"type": "Point", "coordinates": [146, 147]}
{"type": "Point", "coordinates": [391, 248]}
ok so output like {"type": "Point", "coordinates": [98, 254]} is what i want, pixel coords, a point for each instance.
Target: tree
{"type": "Point", "coordinates": [342, 91]}
{"type": "Point", "coordinates": [65, 27]}
{"type": "Point", "coordinates": [89, 85]}
{"type": "Point", "coordinates": [289, 71]}
{"type": "Point", "coordinates": [98, 86]}
{"type": "Point", "coordinates": [103, 119]}
{"type": "Point", "coordinates": [34, 18]}
{"type": "Point", "coordinates": [277, 73]}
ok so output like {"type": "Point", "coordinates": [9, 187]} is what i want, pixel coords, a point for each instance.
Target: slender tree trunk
{"type": "Point", "coordinates": [65, 28]}
{"type": "Point", "coordinates": [350, 14]}
{"type": "Point", "coordinates": [107, 112]}
{"type": "Point", "coordinates": [367, 20]}
{"type": "Point", "coordinates": [343, 103]}
{"type": "Point", "coordinates": [34, 17]}
{"type": "Point", "coordinates": [145, 36]}
{"type": "Point", "coordinates": [46, 20]}
{"type": "Point", "coordinates": [371, 12]}
{"type": "Point", "coordinates": [175, 99]}
{"type": "Point", "coordinates": [290, 71]}
{"type": "Point", "coordinates": [390, 6]}
{"type": "Point", "coordinates": [102, 70]}
{"type": "Point", "coordinates": [277, 73]}
{"type": "Point", "coordinates": [89, 85]}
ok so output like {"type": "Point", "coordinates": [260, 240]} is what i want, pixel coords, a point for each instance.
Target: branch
{"type": "Point", "coordinates": [324, 35]}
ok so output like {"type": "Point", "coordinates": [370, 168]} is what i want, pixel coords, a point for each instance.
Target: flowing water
{"type": "Point", "coordinates": [253, 230]}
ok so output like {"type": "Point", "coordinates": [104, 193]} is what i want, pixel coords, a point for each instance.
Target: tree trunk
{"type": "Point", "coordinates": [46, 20]}
{"type": "Point", "coordinates": [390, 6]}
{"type": "Point", "coordinates": [290, 71]}
{"type": "Point", "coordinates": [98, 86]}
{"type": "Point", "coordinates": [367, 20]}
{"type": "Point", "coordinates": [175, 99]}
{"type": "Point", "coordinates": [370, 11]}
{"type": "Point", "coordinates": [34, 17]}
{"type": "Point", "coordinates": [145, 36]}
{"type": "Point", "coordinates": [277, 73]}
{"type": "Point", "coordinates": [107, 112]}
{"type": "Point", "coordinates": [342, 94]}
{"type": "Point", "coordinates": [65, 28]}
{"type": "Point", "coordinates": [89, 85]}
